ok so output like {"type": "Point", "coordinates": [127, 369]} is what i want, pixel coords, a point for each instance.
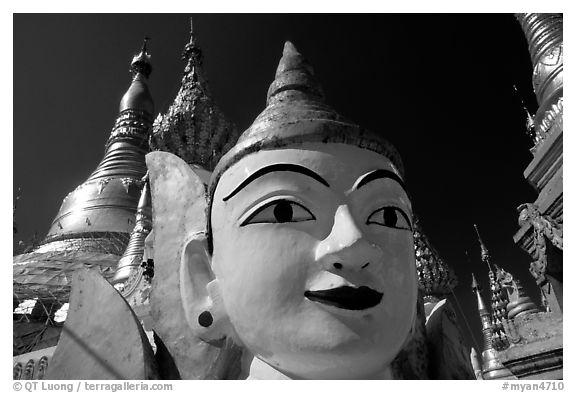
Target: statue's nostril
{"type": "Point", "coordinates": [337, 265]}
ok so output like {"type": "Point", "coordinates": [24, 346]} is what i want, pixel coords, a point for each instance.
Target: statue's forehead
{"type": "Point", "coordinates": [334, 162]}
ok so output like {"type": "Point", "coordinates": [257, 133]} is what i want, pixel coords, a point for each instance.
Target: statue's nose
{"type": "Point", "coordinates": [346, 248]}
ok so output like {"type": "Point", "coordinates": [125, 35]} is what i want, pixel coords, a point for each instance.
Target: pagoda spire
{"type": "Point", "coordinates": [192, 54]}
{"type": "Point", "coordinates": [484, 315]}
{"type": "Point", "coordinates": [141, 62]}
{"type": "Point", "coordinates": [492, 368]}
{"type": "Point", "coordinates": [99, 214]}
{"type": "Point", "coordinates": [193, 127]}
{"type": "Point", "coordinates": [131, 260]}
{"type": "Point", "coordinates": [499, 301]}
{"type": "Point", "coordinates": [484, 253]}
{"type": "Point", "coordinates": [529, 117]}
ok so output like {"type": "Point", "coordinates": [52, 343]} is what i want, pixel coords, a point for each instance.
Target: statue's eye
{"type": "Point", "coordinates": [279, 211]}
{"type": "Point", "coordinates": [390, 216]}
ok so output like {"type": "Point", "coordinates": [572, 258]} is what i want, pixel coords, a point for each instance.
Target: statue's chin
{"type": "Point", "coordinates": [331, 365]}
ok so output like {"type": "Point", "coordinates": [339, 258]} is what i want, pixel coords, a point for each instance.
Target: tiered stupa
{"type": "Point", "coordinates": [103, 207]}
{"type": "Point", "coordinates": [492, 368]}
{"type": "Point", "coordinates": [93, 225]}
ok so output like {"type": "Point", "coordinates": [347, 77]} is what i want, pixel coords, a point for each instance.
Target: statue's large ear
{"type": "Point", "coordinates": [200, 292]}
{"type": "Point", "coordinates": [179, 219]}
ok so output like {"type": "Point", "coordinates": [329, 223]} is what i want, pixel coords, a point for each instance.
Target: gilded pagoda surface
{"type": "Point", "coordinates": [545, 43]}
{"type": "Point", "coordinates": [106, 202]}
{"type": "Point", "coordinates": [92, 228]}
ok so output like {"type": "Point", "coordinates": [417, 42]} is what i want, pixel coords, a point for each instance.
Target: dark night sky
{"type": "Point", "coordinates": [438, 86]}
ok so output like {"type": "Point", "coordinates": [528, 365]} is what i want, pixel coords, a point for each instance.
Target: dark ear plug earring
{"type": "Point", "coordinates": [205, 319]}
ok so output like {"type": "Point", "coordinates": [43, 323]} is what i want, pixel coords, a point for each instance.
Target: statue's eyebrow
{"type": "Point", "coordinates": [380, 174]}
{"type": "Point", "coordinates": [277, 168]}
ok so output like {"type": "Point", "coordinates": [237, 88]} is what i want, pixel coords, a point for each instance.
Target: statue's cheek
{"type": "Point", "coordinates": [264, 263]}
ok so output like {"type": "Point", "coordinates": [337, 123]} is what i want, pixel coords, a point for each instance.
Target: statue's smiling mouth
{"type": "Point", "coordinates": [346, 297]}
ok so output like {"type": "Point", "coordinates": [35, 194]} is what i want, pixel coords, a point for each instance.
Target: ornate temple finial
{"type": "Point", "coordinates": [529, 118]}
{"type": "Point", "coordinates": [484, 250]}
{"type": "Point", "coordinates": [192, 53]}
{"type": "Point", "coordinates": [193, 127]}
{"type": "Point", "coordinates": [141, 62]}
{"type": "Point", "coordinates": [138, 96]}
{"type": "Point", "coordinates": [296, 113]}
{"type": "Point", "coordinates": [143, 50]}
{"type": "Point", "coordinates": [476, 288]}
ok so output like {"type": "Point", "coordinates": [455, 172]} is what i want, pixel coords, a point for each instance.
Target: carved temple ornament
{"type": "Point", "coordinates": [301, 255]}
{"type": "Point", "coordinates": [546, 230]}
{"type": "Point", "coordinates": [127, 182]}
{"type": "Point", "coordinates": [518, 302]}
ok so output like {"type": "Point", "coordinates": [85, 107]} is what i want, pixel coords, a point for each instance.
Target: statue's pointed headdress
{"type": "Point", "coordinates": [296, 113]}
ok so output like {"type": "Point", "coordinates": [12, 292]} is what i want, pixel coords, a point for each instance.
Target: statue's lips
{"type": "Point", "coordinates": [346, 297]}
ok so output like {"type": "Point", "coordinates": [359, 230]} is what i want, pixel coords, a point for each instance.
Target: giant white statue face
{"type": "Point", "coordinates": [313, 252]}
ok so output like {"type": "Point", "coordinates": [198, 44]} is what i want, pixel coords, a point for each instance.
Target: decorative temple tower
{"type": "Point", "coordinates": [535, 338]}
{"type": "Point", "coordinates": [499, 301]}
{"type": "Point", "coordinates": [99, 213]}
{"type": "Point", "coordinates": [135, 269]}
{"type": "Point", "coordinates": [194, 128]}
{"type": "Point", "coordinates": [541, 222]}
{"type": "Point", "coordinates": [492, 368]}
{"type": "Point", "coordinates": [524, 342]}
{"type": "Point", "coordinates": [132, 258]}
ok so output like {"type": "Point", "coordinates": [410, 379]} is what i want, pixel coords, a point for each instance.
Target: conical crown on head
{"type": "Point", "coordinates": [296, 113]}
